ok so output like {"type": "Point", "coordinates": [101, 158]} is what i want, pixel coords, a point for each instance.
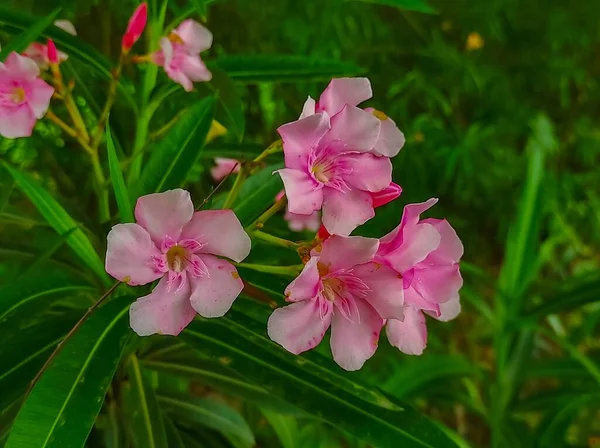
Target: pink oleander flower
{"type": "Point", "coordinates": [180, 54]}
{"type": "Point", "coordinates": [38, 52]}
{"type": "Point", "coordinates": [181, 248]}
{"type": "Point", "coordinates": [299, 223]}
{"type": "Point", "coordinates": [426, 254]}
{"type": "Point", "coordinates": [341, 287]}
{"type": "Point", "coordinates": [24, 97]}
{"type": "Point", "coordinates": [353, 91]}
{"type": "Point", "coordinates": [223, 167]}
{"type": "Point", "coordinates": [329, 166]}
{"type": "Point", "coordinates": [135, 27]}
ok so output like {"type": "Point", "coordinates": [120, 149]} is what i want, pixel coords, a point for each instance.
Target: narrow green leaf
{"type": "Point", "coordinates": [141, 409]}
{"type": "Point", "coordinates": [230, 112]}
{"type": "Point", "coordinates": [62, 407]}
{"type": "Point", "coordinates": [242, 151]}
{"type": "Point", "coordinates": [313, 384]}
{"type": "Point", "coordinates": [21, 42]}
{"type": "Point", "coordinates": [117, 180]}
{"type": "Point", "coordinates": [60, 220]}
{"type": "Point", "coordinates": [209, 413]}
{"type": "Point", "coordinates": [14, 22]}
{"type": "Point", "coordinates": [407, 5]}
{"type": "Point", "coordinates": [175, 155]}
{"type": "Point", "coordinates": [174, 439]}
{"type": "Point", "coordinates": [278, 67]}
{"type": "Point", "coordinates": [257, 194]}
{"type": "Point", "coordinates": [285, 426]}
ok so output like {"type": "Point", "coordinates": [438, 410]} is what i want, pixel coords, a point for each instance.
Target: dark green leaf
{"type": "Point", "coordinates": [141, 409]}
{"type": "Point", "coordinates": [20, 43]}
{"type": "Point", "coordinates": [209, 413]}
{"type": "Point", "coordinates": [285, 426]}
{"type": "Point", "coordinates": [257, 194]}
{"type": "Point", "coordinates": [408, 5]}
{"type": "Point", "coordinates": [14, 22]}
{"type": "Point", "coordinates": [173, 436]}
{"type": "Point", "coordinates": [60, 220]}
{"type": "Point", "coordinates": [117, 180]}
{"type": "Point", "coordinates": [313, 384]}
{"type": "Point", "coordinates": [242, 151]}
{"type": "Point", "coordinates": [278, 67]}
{"type": "Point", "coordinates": [62, 407]}
{"type": "Point", "coordinates": [230, 112]}
{"type": "Point", "coordinates": [175, 155]}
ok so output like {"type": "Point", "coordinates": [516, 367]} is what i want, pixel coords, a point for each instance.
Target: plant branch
{"type": "Point", "coordinates": [110, 100]}
{"type": "Point", "coordinates": [237, 186]}
{"type": "Point", "coordinates": [267, 237]}
{"type": "Point", "coordinates": [207, 198]}
{"type": "Point", "coordinates": [69, 335]}
{"type": "Point", "coordinates": [273, 148]}
{"type": "Point", "coordinates": [279, 270]}
{"type": "Point", "coordinates": [262, 219]}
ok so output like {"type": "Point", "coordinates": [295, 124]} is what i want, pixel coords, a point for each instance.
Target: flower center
{"type": "Point", "coordinates": [18, 95]}
{"type": "Point", "coordinates": [321, 172]}
{"type": "Point", "coordinates": [328, 166]}
{"type": "Point", "coordinates": [175, 38]}
{"type": "Point", "coordinates": [332, 288]}
{"type": "Point", "coordinates": [177, 258]}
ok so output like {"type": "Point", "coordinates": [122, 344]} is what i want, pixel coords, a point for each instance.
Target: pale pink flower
{"type": "Point", "coordinates": [39, 52]}
{"type": "Point", "coordinates": [180, 247]}
{"type": "Point", "coordinates": [223, 167]}
{"type": "Point", "coordinates": [353, 91]}
{"type": "Point", "coordinates": [426, 254]}
{"type": "Point", "coordinates": [180, 53]}
{"type": "Point", "coordinates": [329, 166]}
{"type": "Point", "coordinates": [24, 97]}
{"type": "Point", "coordinates": [340, 287]}
{"type": "Point", "coordinates": [135, 27]}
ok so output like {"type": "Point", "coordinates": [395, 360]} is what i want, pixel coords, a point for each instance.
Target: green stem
{"type": "Point", "coordinates": [279, 270]}
{"type": "Point", "coordinates": [273, 148]}
{"type": "Point", "coordinates": [237, 187]}
{"type": "Point", "coordinates": [110, 100]}
{"type": "Point", "coordinates": [275, 240]}
{"type": "Point", "coordinates": [101, 191]}
{"type": "Point", "coordinates": [262, 219]}
{"type": "Point", "coordinates": [141, 134]}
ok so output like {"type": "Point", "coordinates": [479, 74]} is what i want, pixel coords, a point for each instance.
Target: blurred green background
{"type": "Point", "coordinates": [498, 100]}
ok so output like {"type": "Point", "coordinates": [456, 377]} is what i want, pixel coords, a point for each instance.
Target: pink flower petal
{"type": "Point", "coordinates": [416, 301]}
{"type": "Point", "coordinates": [387, 195]}
{"type": "Point", "coordinates": [449, 310]}
{"type": "Point", "coordinates": [306, 285]}
{"type": "Point", "coordinates": [369, 172]}
{"type": "Point", "coordinates": [304, 196]}
{"type": "Point", "coordinates": [194, 68]}
{"type": "Point", "coordinates": [345, 211]}
{"type": "Point", "coordinates": [213, 296]}
{"type": "Point", "coordinates": [18, 122]}
{"type": "Point", "coordinates": [164, 214]}
{"type": "Point", "coordinates": [386, 289]}
{"type": "Point", "coordinates": [66, 26]}
{"type": "Point", "coordinates": [342, 91]}
{"type": "Point", "coordinates": [410, 335]}
{"type": "Point", "coordinates": [300, 136]}
{"type": "Point", "coordinates": [418, 242]}
{"type": "Point", "coordinates": [357, 129]}
{"type": "Point", "coordinates": [39, 97]}
{"type": "Point", "coordinates": [437, 283]}
{"type": "Point", "coordinates": [352, 343]}
{"type": "Point", "coordinates": [391, 139]}
{"type": "Point", "coordinates": [130, 253]}
{"type": "Point", "coordinates": [195, 36]}
{"type": "Point", "coordinates": [300, 326]}
{"type": "Point", "coordinates": [450, 249]}
{"type": "Point", "coordinates": [223, 167]}
{"type": "Point", "coordinates": [339, 252]}
{"type": "Point", "coordinates": [299, 223]}
{"type": "Point", "coordinates": [308, 109]}
{"type": "Point", "coordinates": [21, 66]}
{"type": "Point", "coordinates": [220, 233]}
{"type": "Point", "coordinates": [162, 311]}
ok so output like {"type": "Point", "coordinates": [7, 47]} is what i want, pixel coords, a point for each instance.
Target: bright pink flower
{"type": "Point", "coordinates": [340, 287]}
{"type": "Point", "coordinates": [353, 91]}
{"type": "Point", "coordinates": [223, 167]}
{"type": "Point", "coordinates": [180, 247]}
{"type": "Point", "coordinates": [39, 52]}
{"type": "Point", "coordinates": [387, 195]}
{"type": "Point", "coordinates": [52, 52]}
{"type": "Point", "coordinates": [180, 53]}
{"type": "Point", "coordinates": [426, 254]}
{"type": "Point", "coordinates": [329, 166]}
{"type": "Point", "coordinates": [24, 97]}
{"type": "Point", "coordinates": [135, 27]}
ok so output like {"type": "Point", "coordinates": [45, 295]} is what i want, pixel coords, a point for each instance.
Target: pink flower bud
{"type": "Point", "coordinates": [52, 53]}
{"type": "Point", "coordinates": [136, 26]}
{"type": "Point", "coordinates": [386, 195]}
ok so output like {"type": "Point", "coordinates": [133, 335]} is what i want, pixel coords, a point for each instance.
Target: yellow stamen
{"type": "Point", "coordinates": [176, 257]}
{"type": "Point", "coordinates": [18, 95]}
{"type": "Point", "coordinates": [382, 116]}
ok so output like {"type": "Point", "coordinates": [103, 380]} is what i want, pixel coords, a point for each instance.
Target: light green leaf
{"type": "Point", "coordinates": [285, 426]}
{"type": "Point", "coordinates": [62, 407]}
{"type": "Point", "coordinates": [20, 43]}
{"type": "Point", "coordinates": [313, 384]}
{"type": "Point", "coordinates": [175, 155]}
{"type": "Point", "coordinates": [60, 220]}
{"type": "Point", "coordinates": [408, 5]}
{"type": "Point", "coordinates": [209, 413]}
{"type": "Point", "coordinates": [266, 67]}
{"type": "Point", "coordinates": [117, 180]}
{"type": "Point", "coordinates": [141, 409]}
